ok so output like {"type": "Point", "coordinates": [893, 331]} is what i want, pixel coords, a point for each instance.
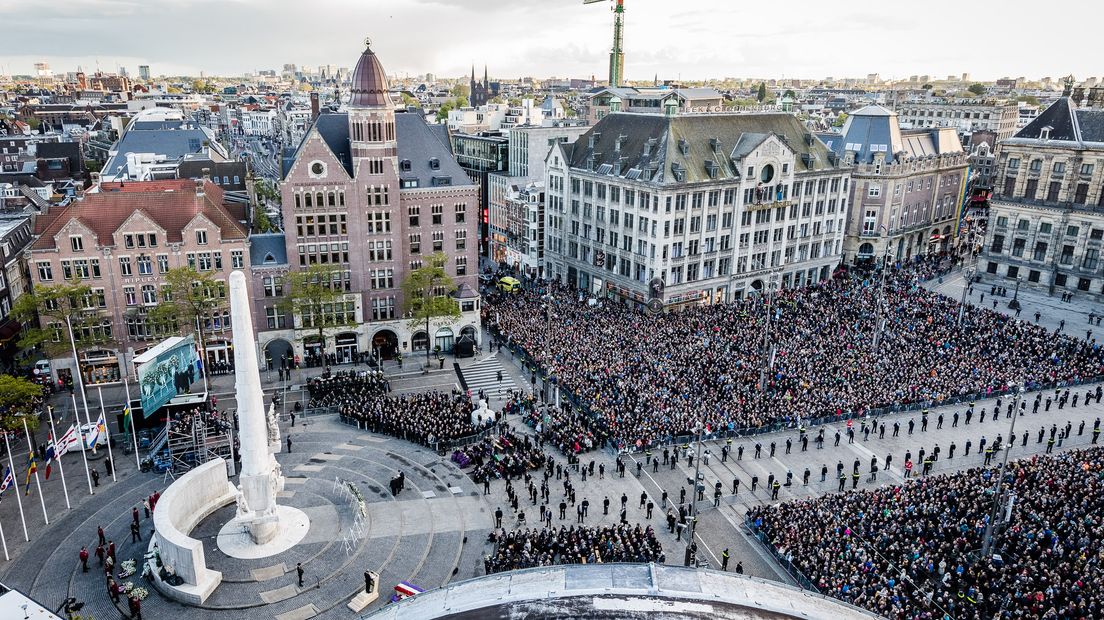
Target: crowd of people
{"type": "Point", "coordinates": [910, 551]}
{"type": "Point", "coordinates": [574, 545]}
{"type": "Point", "coordinates": [647, 378]}
{"type": "Point", "coordinates": [504, 454]}
{"type": "Point", "coordinates": [423, 417]}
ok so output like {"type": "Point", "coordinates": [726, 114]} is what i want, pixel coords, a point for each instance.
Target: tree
{"type": "Point", "coordinates": [461, 90]}
{"type": "Point", "coordinates": [926, 87]}
{"type": "Point", "coordinates": [261, 221]}
{"type": "Point", "coordinates": [762, 92]}
{"type": "Point", "coordinates": [442, 112]}
{"type": "Point", "coordinates": [840, 120]}
{"type": "Point", "coordinates": [409, 100]}
{"type": "Point", "coordinates": [1028, 99]}
{"type": "Point", "coordinates": [46, 309]}
{"type": "Point", "coordinates": [19, 398]}
{"type": "Point", "coordinates": [316, 296]}
{"type": "Point", "coordinates": [428, 291]}
{"type": "Point", "coordinates": [977, 89]}
{"type": "Point", "coordinates": [190, 298]}
{"type": "Point", "coordinates": [789, 93]}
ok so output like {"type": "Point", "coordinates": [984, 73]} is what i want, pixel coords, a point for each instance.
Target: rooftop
{"type": "Point", "coordinates": [170, 204]}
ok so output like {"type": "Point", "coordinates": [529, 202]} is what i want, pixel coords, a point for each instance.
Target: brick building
{"type": "Point", "coordinates": [121, 241]}
{"type": "Point", "coordinates": [375, 191]}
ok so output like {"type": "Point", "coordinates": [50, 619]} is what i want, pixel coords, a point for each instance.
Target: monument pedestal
{"type": "Point", "coordinates": [284, 530]}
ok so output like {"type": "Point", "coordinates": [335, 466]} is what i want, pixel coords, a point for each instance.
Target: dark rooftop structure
{"type": "Point", "coordinates": [369, 82]}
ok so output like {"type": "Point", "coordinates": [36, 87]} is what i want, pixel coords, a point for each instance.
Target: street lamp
{"type": "Point", "coordinates": [987, 544]}
{"type": "Point", "coordinates": [1015, 303]}
{"type": "Point", "coordinates": [766, 336]}
{"type": "Point", "coordinates": [881, 300]}
{"type": "Point", "coordinates": [689, 559]}
{"type": "Point", "coordinates": [968, 274]}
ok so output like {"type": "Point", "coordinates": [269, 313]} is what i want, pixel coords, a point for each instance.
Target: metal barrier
{"type": "Point", "coordinates": [313, 411]}
{"type": "Point", "coordinates": [786, 565]}
{"type": "Point", "coordinates": [440, 447]}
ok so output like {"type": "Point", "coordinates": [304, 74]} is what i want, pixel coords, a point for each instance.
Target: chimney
{"type": "Point", "coordinates": [314, 106]}
{"type": "Point", "coordinates": [201, 181]}
{"type": "Point", "coordinates": [1078, 94]}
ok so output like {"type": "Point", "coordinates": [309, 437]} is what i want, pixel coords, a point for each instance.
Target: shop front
{"type": "Point", "coordinates": [100, 367]}
{"type": "Point", "coordinates": [346, 347]}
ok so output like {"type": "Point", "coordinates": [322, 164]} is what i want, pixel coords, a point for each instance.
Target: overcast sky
{"type": "Point", "coordinates": [691, 39]}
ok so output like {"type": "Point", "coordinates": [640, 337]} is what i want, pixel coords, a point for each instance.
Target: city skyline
{"type": "Point", "coordinates": [420, 36]}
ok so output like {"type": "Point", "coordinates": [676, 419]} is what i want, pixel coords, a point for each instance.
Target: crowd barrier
{"type": "Point", "coordinates": [786, 564]}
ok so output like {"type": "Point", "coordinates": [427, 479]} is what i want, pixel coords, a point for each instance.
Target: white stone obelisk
{"type": "Point", "coordinates": [260, 478]}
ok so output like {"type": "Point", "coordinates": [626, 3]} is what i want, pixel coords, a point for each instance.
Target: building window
{"type": "Point", "coordinates": [415, 243]}
{"type": "Point", "coordinates": [76, 242]}
{"type": "Point", "coordinates": [237, 259]}
{"type": "Point", "coordinates": [1040, 251]}
{"type": "Point", "coordinates": [437, 212]}
{"type": "Point", "coordinates": [875, 190]}
{"type": "Point", "coordinates": [461, 265]}
{"type": "Point", "coordinates": [145, 265]}
{"type": "Point", "coordinates": [461, 239]}
{"type": "Point", "coordinates": [275, 317]}
{"type": "Point", "coordinates": [162, 263]}
{"type": "Point", "coordinates": [461, 212]}
{"type": "Point", "coordinates": [273, 286]}
{"type": "Point", "coordinates": [201, 237]}
{"type": "Point", "coordinates": [125, 266]}
{"type": "Point", "coordinates": [45, 271]}
{"type": "Point", "coordinates": [438, 240]}
{"type": "Point", "coordinates": [412, 214]}
{"type": "Point", "coordinates": [130, 296]}
{"type": "Point", "coordinates": [149, 295]}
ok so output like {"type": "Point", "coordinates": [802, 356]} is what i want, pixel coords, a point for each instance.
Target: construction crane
{"type": "Point", "coordinates": [617, 52]}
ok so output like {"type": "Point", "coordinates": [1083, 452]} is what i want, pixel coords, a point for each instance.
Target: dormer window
{"type": "Point", "coordinates": [434, 164]}
{"type": "Point", "coordinates": [404, 165]}
{"type": "Point", "coordinates": [76, 242]}
{"type": "Point", "coordinates": [1044, 133]}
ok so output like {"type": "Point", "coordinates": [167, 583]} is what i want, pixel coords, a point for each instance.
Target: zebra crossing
{"type": "Point", "coordinates": [483, 375]}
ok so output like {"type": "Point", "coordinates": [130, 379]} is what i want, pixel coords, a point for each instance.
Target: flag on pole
{"type": "Point", "coordinates": [51, 453]}
{"type": "Point", "coordinates": [61, 448]}
{"type": "Point", "coordinates": [32, 469]}
{"type": "Point", "coordinates": [126, 419]}
{"type": "Point", "coordinates": [101, 425]}
{"type": "Point", "coordinates": [9, 481]}
{"type": "Point", "coordinates": [93, 437]}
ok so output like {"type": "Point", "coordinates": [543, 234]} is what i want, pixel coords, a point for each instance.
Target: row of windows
{"type": "Point", "coordinates": [1034, 275]}
{"type": "Point", "coordinates": [323, 253]}
{"type": "Point", "coordinates": [461, 266]}
{"type": "Point", "coordinates": [321, 224]}
{"type": "Point", "coordinates": [415, 241]}
{"type": "Point", "coordinates": [437, 214]}
{"type": "Point", "coordinates": [135, 240]}
{"type": "Point", "coordinates": [319, 199]}
{"type": "Point", "coordinates": [142, 265]}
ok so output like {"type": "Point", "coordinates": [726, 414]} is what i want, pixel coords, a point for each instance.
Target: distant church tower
{"type": "Point", "coordinates": [481, 92]}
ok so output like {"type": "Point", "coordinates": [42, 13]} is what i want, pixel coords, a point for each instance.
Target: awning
{"type": "Point", "coordinates": [10, 329]}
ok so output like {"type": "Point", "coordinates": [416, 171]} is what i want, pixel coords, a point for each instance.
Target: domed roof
{"type": "Point", "coordinates": [369, 82]}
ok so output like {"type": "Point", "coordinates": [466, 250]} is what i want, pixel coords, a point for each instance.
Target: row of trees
{"type": "Point", "coordinates": [316, 295]}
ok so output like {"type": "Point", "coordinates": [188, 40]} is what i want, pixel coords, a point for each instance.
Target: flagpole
{"type": "Point", "coordinates": [38, 483]}
{"type": "Point", "coordinates": [15, 483]}
{"type": "Point", "coordinates": [4, 539]}
{"type": "Point", "coordinates": [107, 431]}
{"type": "Point", "coordinates": [128, 414]}
{"type": "Point", "coordinates": [80, 440]}
{"type": "Point", "coordinates": [76, 360]}
{"type": "Point", "coordinates": [57, 456]}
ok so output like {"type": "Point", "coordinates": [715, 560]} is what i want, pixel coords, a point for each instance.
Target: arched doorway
{"type": "Point", "coordinates": [419, 341]}
{"type": "Point", "coordinates": [443, 340]}
{"type": "Point", "coordinates": [866, 252]}
{"type": "Point", "coordinates": [386, 343]}
{"type": "Point", "coordinates": [345, 345]}
{"type": "Point", "coordinates": [468, 331]}
{"type": "Point", "coordinates": [946, 238]}
{"type": "Point", "coordinates": [276, 351]}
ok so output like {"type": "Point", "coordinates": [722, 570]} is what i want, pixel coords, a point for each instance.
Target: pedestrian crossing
{"type": "Point", "coordinates": [483, 375]}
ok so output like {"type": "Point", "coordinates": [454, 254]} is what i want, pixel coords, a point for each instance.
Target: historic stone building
{"type": "Point", "coordinates": [1046, 220]}
{"type": "Point", "coordinates": [907, 185]}
{"type": "Point", "coordinates": [481, 92]}
{"type": "Point", "coordinates": [689, 209]}
{"type": "Point", "coordinates": [375, 192]}
{"type": "Point", "coordinates": [120, 241]}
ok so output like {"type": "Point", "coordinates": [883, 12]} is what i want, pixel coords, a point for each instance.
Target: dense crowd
{"type": "Point", "coordinates": [910, 551]}
{"type": "Point", "coordinates": [424, 417]}
{"type": "Point", "coordinates": [574, 545]}
{"type": "Point", "coordinates": [647, 378]}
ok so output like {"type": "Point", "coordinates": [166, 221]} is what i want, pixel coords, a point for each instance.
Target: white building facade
{"type": "Point", "coordinates": [670, 211]}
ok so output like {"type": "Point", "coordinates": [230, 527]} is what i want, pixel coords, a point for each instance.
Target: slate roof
{"type": "Point", "coordinates": [172, 204]}
{"type": "Point", "coordinates": [875, 129]}
{"type": "Point", "coordinates": [168, 138]}
{"type": "Point", "coordinates": [263, 246]}
{"type": "Point", "coordinates": [1067, 122]}
{"type": "Point", "coordinates": [417, 142]}
{"type": "Point", "coordinates": [734, 133]}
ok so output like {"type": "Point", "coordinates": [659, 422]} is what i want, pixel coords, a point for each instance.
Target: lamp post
{"type": "Point", "coordinates": [689, 559]}
{"type": "Point", "coordinates": [881, 300]}
{"type": "Point", "coordinates": [766, 336]}
{"type": "Point", "coordinates": [1015, 303]}
{"type": "Point", "coordinates": [968, 274]}
{"type": "Point", "coordinates": [987, 544]}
